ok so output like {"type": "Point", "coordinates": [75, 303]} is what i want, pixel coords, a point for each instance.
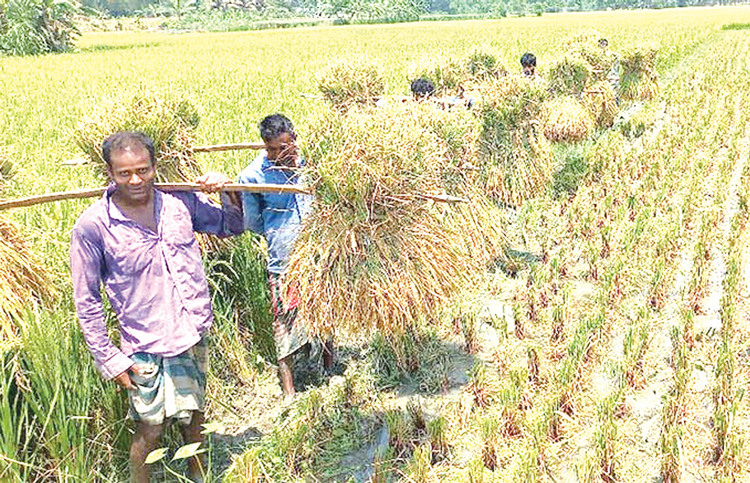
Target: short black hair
{"type": "Point", "coordinates": [422, 87]}
{"type": "Point", "coordinates": [124, 140]}
{"type": "Point", "coordinates": [274, 126]}
{"type": "Point", "coordinates": [528, 59]}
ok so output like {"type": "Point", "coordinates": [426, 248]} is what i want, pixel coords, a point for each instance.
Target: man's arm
{"type": "Point", "coordinates": [209, 218]}
{"type": "Point", "coordinates": [86, 263]}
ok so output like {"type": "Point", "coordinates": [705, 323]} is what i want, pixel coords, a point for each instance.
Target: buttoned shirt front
{"type": "Point", "coordinates": [154, 281]}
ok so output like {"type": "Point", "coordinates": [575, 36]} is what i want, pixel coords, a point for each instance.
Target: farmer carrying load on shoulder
{"type": "Point", "coordinates": [278, 217]}
{"type": "Point", "coordinates": [140, 243]}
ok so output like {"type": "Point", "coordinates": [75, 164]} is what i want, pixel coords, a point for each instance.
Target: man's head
{"type": "Point", "coordinates": [278, 135]}
{"type": "Point", "coordinates": [603, 43]}
{"type": "Point", "coordinates": [422, 88]}
{"type": "Point", "coordinates": [528, 64]}
{"type": "Point", "coordinates": [130, 158]}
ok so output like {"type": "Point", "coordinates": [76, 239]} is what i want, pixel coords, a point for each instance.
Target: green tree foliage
{"type": "Point", "coordinates": [32, 27]}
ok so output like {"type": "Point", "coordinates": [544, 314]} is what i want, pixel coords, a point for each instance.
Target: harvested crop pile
{"type": "Point", "coordinates": [569, 75]}
{"type": "Point", "coordinates": [565, 119]}
{"type": "Point", "coordinates": [481, 65]}
{"type": "Point", "coordinates": [515, 159]}
{"type": "Point", "coordinates": [169, 119]}
{"type": "Point", "coordinates": [445, 73]}
{"type": "Point", "coordinates": [350, 81]}
{"type": "Point", "coordinates": [23, 279]}
{"type": "Point", "coordinates": [586, 46]}
{"type": "Point", "coordinates": [599, 100]}
{"type": "Point", "coordinates": [374, 254]}
{"type": "Point", "coordinates": [638, 78]}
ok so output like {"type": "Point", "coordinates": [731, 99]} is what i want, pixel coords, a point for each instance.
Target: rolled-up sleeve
{"type": "Point", "coordinates": [86, 261]}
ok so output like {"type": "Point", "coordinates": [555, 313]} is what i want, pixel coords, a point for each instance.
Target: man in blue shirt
{"type": "Point", "coordinates": [278, 217]}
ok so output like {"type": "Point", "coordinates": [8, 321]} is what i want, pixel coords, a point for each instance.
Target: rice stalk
{"type": "Point", "coordinates": [599, 100]}
{"type": "Point", "coordinates": [639, 79]}
{"type": "Point", "coordinates": [446, 73]}
{"type": "Point", "coordinates": [566, 120]}
{"type": "Point", "coordinates": [569, 75]}
{"type": "Point", "coordinates": [515, 161]}
{"type": "Point", "coordinates": [348, 81]}
{"type": "Point", "coordinates": [373, 255]}
{"type": "Point", "coordinates": [169, 119]}
{"type": "Point", "coordinates": [24, 280]}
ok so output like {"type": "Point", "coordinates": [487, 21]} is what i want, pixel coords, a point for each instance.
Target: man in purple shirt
{"type": "Point", "coordinates": [140, 243]}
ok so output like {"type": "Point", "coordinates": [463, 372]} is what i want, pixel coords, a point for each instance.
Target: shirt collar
{"type": "Point", "coordinates": [114, 211]}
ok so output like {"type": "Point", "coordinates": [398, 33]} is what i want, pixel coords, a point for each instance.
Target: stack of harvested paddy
{"type": "Point", "coordinates": [638, 78]}
{"type": "Point", "coordinates": [170, 120]}
{"type": "Point", "coordinates": [599, 100]}
{"type": "Point", "coordinates": [482, 227]}
{"type": "Point", "coordinates": [586, 47]}
{"type": "Point", "coordinates": [481, 65]}
{"type": "Point", "coordinates": [374, 255]}
{"type": "Point", "coordinates": [566, 120]}
{"type": "Point", "coordinates": [515, 159]}
{"type": "Point", "coordinates": [23, 279]}
{"type": "Point", "coordinates": [349, 81]}
{"type": "Point", "coordinates": [569, 75]}
{"type": "Point", "coordinates": [445, 73]}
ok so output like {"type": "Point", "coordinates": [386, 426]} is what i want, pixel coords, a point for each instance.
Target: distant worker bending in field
{"type": "Point", "coordinates": [528, 65]}
{"type": "Point", "coordinates": [278, 217]}
{"type": "Point", "coordinates": [140, 243]}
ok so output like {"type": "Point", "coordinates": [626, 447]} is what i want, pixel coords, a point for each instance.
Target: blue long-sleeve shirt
{"type": "Point", "coordinates": [276, 216]}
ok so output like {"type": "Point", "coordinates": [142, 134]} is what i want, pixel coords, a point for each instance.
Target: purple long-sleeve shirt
{"type": "Point", "coordinates": [155, 282]}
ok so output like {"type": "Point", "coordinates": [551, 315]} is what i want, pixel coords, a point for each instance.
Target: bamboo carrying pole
{"type": "Point", "coordinates": [90, 193]}
{"type": "Point", "coordinates": [232, 187]}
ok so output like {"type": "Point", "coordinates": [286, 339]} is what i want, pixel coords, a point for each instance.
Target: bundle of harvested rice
{"type": "Point", "coordinates": [481, 65]}
{"type": "Point", "coordinates": [482, 227]}
{"type": "Point", "coordinates": [515, 159]}
{"type": "Point", "coordinates": [600, 101]}
{"type": "Point", "coordinates": [569, 75]}
{"type": "Point", "coordinates": [373, 254]}
{"type": "Point", "coordinates": [565, 119]}
{"type": "Point", "coordinates": [586, 46]}
{"type": "Point", "coordinates": [639, 80]}
{"type": "Point", "coordinates": [445, 73]}
{"type": "Point", "coordinates": [349, 81]}
{"type": "Point", "coordinates": [169, 119]}
{"type": "Point", "coordinates": [23, 279]}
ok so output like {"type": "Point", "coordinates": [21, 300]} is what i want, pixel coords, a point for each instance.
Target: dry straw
{"type": "Point", "coordinates": [169, 119]}
{"type": "Point", "coordinates": [569, 75]}
{"type": "Point", "coordinates": [482, 65]}
{"type": "Point", "coordinates": [350, 81]}
{"type": "Point", "coordinates": [585, 46]}
{"type": "Point", "coordinates": [445, 73]}
{"type": "Point", "coordinates": [372, 255]}
{"type": "Point", "coordinates": [599, 100]}
{"type": "Point", "coordinates": [639, 79]}
{"type": "Point", "coordinates": [23, 279]}
{"type": "Point", "coordinates": [566, 120]}
{"type": "Point", "coordinates": [515, 159]}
